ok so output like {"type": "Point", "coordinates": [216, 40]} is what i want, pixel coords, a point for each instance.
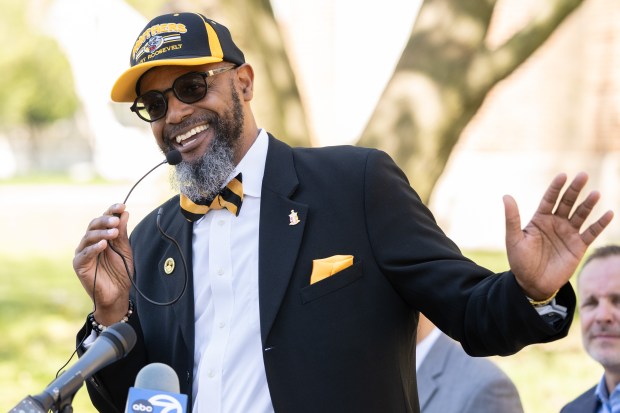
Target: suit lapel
{"type": "Point", "coordinates": [279, 241]}
{"type": "Point", "coordinates": [181, 230]}
{"type": "Point", "coordinates": [432, 369]}
{"type": "Point", "coordinates": [587, 402]}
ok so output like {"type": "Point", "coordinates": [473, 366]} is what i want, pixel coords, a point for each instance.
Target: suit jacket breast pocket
{"type": "Point", "coordinates": [333, 283]}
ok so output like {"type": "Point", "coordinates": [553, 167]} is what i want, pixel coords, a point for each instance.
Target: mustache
{"type": "Point", "coordinates": [170, 132]}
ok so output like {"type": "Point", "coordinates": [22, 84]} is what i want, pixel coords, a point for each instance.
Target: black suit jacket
{"type": "Point", "coordinates": [585, 403]}
{"type": "Point", "coordinates": [346, 343]}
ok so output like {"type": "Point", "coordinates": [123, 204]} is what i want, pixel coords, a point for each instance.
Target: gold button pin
{"type": "Point", "coordinates": [169, 266]}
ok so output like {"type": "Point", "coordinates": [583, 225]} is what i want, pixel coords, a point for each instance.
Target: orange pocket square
{"type": "Point", "coordinates": [326, 267]}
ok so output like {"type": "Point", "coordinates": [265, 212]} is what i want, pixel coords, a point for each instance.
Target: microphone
{"type": "Point", "coordinates": [173, 157]}
{"type": "Point", "coordinates": [114, 343]}
{"type": "Point", "coordinates": [156, 390]}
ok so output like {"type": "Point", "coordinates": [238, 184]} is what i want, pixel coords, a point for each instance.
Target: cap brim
{"type": "Point", "coordinates": [124, 89]}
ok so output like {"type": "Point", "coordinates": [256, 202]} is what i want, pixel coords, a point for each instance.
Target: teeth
{"type": "Point", "coordinates": [191, 133]}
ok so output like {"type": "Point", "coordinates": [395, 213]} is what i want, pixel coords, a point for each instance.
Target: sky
{"type": "Point", "coordinates": [345, 52]}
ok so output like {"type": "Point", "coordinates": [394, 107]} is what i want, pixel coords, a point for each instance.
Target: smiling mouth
{"type": "Point", "coordinates": [183, 139]}
{"type": "Point", "coordinates": [604, 336]}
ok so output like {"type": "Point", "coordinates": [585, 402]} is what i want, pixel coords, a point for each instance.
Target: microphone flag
{"type": "Point", "coordinates": [155, 401]}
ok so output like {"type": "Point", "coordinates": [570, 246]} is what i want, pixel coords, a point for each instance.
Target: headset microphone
{"type": "Point", "coordinates": [173, 157]}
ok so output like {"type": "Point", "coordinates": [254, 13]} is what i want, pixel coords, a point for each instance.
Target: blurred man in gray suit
{"type": "Point", "coordinates": [450, 381]}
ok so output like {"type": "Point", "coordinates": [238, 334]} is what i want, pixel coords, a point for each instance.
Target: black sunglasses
{"type": "Point", "coordinates": [188, 88]}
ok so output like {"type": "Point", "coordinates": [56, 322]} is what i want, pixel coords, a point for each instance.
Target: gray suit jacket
{"type": "Point", "coordinates": [450, 381]}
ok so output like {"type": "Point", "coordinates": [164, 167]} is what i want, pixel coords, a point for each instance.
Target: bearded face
{"type": "Point", "coordinates": [205, 177]}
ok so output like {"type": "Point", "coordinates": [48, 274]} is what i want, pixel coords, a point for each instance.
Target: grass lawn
{"type": "Point", "coordinates": [43, 305]}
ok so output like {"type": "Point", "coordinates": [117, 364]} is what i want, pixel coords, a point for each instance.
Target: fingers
{"type": "Point", "coordinates": [100, 231]}
{"type": "Point", "coordinates": [513, 220]}
{"type": "Point", "coordinates": [99, 228]}
{"type": "Point", "coordinates": [116, 210]}
{"type": "Point", "coordinates": [570, 195]}
{"type": "Point", "coordinates": [594, 230]}
{"type": "Point", "coordinates": [102, 228]}
{"type": "Point", "coordinates": [567, 203]}
{"type": "Point", "coordinates": [584, 209]}
{"type": "Point", "coordinates": [551, 195]}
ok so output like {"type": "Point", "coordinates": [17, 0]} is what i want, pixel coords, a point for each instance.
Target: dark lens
{"type": "Point", "coordinates": [190, 88]}
{"type": "Point", "coordinates": [151, 106]}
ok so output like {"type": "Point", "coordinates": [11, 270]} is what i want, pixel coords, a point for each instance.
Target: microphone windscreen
{"type": "Point", "coordinates": [174, 157]}
{"type": "Point", "coordinates": [122, 336]}
{"type": "Point", "coordinates": [158, 376]}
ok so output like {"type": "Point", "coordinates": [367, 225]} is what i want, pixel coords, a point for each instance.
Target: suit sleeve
{"type": "Point", "coordinates": [486, 312]}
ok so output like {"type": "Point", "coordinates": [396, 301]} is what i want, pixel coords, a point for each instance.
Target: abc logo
{"type": "Point", "coordinates": [168, 403]}
{"type": "Point", "coordinates": [142, 406]}
{"type": "Point", "coordinates": [150, 401]}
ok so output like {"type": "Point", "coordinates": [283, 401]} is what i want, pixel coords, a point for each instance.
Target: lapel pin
{"type": "Point", "coordinates": [169, 266]}
{"type": "Point", "coordinates": [293, 219]}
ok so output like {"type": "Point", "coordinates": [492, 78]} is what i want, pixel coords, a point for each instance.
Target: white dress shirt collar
{"type": "Point", "coordinates": [424, 346]}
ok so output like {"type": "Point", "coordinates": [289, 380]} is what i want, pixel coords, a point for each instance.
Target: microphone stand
{"type": "Point", "coordinates": [65, 406]}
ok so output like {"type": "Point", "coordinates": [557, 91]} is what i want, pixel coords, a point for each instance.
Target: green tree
{"type": "Point", "coordinates": [36, 86]}
{"type": "Point", "coordinates": [444, 74]}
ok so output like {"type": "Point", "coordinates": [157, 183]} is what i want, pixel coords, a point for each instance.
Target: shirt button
{"type": "Point", "coordinates": [220, 222]}
{"type": "Point", "coordinates": [211, 373]}
{"type": "Point", "coordinates": [222, 324]}
{"type": "Point", "coordinates": [220, 272]}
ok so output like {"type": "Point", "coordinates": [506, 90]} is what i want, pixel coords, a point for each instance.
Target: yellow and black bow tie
{"type": "Point", "coordinates": [230, 197]}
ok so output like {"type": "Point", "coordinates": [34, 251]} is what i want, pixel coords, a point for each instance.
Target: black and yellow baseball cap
{"type": "Point", "coordinates": [177, 39]}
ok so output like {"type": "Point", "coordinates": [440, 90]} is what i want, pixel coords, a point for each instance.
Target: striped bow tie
{"type": "Point", "coordinates": [230, 197]}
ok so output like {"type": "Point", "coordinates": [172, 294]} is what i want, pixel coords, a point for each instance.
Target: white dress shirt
{"type": "Point", "coordinates": [229, 373]}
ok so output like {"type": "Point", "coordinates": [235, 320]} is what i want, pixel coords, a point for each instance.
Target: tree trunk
{"type": "Point", "coordinates": [442, 78]}
{"type": "Point", "coordinates": [277, 102]}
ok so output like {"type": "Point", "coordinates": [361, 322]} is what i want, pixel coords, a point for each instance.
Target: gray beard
{"type": "Point", "coordinates": [205, 177]}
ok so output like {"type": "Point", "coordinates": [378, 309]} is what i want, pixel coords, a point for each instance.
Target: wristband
{"type": "Point", "coordinates": [544, 302]}
{"type": "Point", "coordinates": [99, 328]}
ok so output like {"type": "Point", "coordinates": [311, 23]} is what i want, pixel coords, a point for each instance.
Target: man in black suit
{"type": "Point", "coordinates": [598, 287]}
{"type": "Point", "coordinates": [305, 298]}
